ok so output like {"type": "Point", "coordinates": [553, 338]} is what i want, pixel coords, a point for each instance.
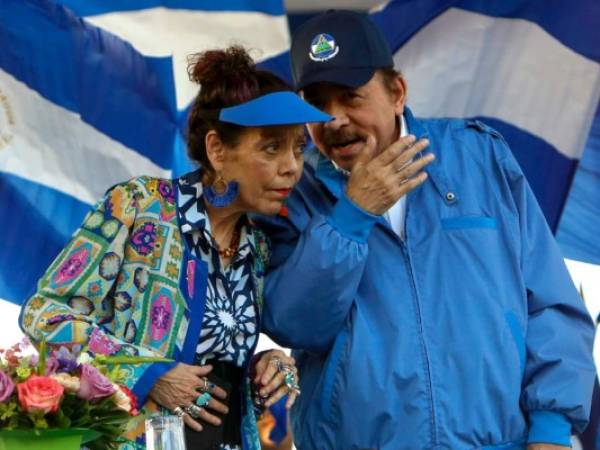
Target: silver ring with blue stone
{"type": "Point", "coordinates": [203, 399]}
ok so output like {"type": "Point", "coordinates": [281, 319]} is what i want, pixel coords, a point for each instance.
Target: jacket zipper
{"type": "Point", "coordinates": [425, 353]}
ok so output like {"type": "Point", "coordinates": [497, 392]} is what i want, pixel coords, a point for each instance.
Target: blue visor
{"type": "Point", "coordinates": [277, 108]}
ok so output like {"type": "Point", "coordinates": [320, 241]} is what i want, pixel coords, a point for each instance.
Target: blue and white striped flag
{"type": "Point", "coordinates": [93, 93]}
{"type": "Point", "coordinates": [530, 69]}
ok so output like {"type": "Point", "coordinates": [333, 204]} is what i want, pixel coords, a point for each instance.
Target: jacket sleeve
{"type": "Point", "coordinates": [73, 302]}
{"type": "Point", "coordinates": [560, 372]}
{"type": "Point", "coordinates": [314, 276]}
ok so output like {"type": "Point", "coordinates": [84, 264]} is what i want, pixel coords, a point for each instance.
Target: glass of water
{"type": "Point", "coordinates": [165, 433]}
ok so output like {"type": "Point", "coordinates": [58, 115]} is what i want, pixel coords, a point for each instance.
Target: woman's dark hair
{"type": "Point", "coordinates": [226, 77]}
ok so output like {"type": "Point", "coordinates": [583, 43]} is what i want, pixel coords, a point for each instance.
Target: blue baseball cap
{"type": "Point", "coordinates": [276, 108]}
{"type": "Point", "coordinates": [341, 47]}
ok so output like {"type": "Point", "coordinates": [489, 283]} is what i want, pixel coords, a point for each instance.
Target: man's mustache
{"type": "Point", "coordinates": [332, 138]}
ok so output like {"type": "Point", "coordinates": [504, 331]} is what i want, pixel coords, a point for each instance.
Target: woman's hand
{"type": "Point", "coordinates": [179, 388]}
{"type": "Point", "coordinates": [269, 380]}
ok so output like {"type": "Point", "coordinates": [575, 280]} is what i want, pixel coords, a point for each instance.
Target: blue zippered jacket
{"type": "Point", "coordinates": [467, 335]}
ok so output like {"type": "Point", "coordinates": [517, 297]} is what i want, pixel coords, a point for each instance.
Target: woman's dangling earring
{"type": "Point", "coordinates": [220, 193]}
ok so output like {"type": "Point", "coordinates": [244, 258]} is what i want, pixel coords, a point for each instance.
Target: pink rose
{"type": "Point", "coordinates": [41, 394]}
{"type": "Point", "coordinates": [94, 385]}
{"type": "Point", "coordinates": [6, 387]}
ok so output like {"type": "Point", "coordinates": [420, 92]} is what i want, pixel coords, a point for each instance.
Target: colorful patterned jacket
{"type": "Point", "coordinates": [127, 258]}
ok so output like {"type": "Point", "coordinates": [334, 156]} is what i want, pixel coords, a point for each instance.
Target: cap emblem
{"type": "Point", "coordinates": [323, 48]}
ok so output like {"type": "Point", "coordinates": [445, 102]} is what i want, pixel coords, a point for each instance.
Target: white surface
{"type": "Point", "coordinates": [508, 69]}
{"type": "Point", "coordinates": [50, 145]}
{"type": "Point", "coordinates": [9, 315]}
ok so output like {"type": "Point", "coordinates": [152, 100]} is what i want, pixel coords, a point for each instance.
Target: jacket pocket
{"type": "Point", "coordinates": [330, 370]}
{"type": "Point", "coordinates": [467, 222]}
{"type": "Point", "coordinates": [518, 338]}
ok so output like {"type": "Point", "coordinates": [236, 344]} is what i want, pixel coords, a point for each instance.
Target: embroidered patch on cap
{"type": "Point", "coordinates": [323, 48]}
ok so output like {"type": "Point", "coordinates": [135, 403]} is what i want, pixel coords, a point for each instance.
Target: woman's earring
{"type": "Point", "coordinates": [221, 194]}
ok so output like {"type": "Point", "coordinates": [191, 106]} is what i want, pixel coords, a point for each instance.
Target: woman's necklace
{"type": "Point", "coordinates": [233, 245]}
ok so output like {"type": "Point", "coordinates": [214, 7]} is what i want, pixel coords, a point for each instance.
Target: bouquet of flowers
{"type": "Point", "coordinates": [64, 389]}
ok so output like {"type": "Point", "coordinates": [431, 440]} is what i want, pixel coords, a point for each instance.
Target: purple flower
{"type": "Point", "coordinates": [52, 365]}
{"type": "Point", "coordinates": [6, 387]}
{"type": "Point", "coordinates": [94, 385]}
{"type": "Point", "coordinates": [67, 360]}
{"type": "Point", "coordinates": [34, 360]}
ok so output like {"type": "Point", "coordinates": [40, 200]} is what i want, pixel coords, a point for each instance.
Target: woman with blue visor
{"type": "Point", "coordinates": [174, 268]}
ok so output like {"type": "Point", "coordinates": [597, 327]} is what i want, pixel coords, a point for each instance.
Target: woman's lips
{"type": "Point", "coordinates": [283, 192]}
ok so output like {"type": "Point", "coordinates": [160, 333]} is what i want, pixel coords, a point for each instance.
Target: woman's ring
{"type": "Point", "coordinates": [193, 410]}
{"type": "Point", "coordinates": [290, 380]}
{"type": "Point", "coordinates": [277, 361]}
{"type": "Point", "coordinates": [208, 386]}
{"type": "Point", "coordinates": [203, 399]}
{"type": "Point", "coordinates": [179, 412]}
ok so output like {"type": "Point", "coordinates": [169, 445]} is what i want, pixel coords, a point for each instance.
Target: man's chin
{"type": "Point", "coordinates": [345, 162]}
{"type": "Point", "coordinates": [344, 159]}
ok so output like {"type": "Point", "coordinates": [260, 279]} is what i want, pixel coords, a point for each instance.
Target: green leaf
{"type": "Point", "coordinates": [9, 412]}
{"type": "Point", "coordinates": [134, 359]}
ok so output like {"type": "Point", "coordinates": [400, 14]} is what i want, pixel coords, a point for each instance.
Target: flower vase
{"type": "Point", "coordinates": [52, 439]}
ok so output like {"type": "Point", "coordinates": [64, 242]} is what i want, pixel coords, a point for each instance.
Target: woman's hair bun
{"type": "Point", "coordinates": [224, 74]}
{"type": "Point", "coordinates": [227, 77]}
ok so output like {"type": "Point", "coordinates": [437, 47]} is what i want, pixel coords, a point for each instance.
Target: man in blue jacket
{"type": "Point", "coordinates": [415, 275]}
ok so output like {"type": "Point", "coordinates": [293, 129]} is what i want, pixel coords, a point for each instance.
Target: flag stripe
{"type": "Point", "coordinates": [53, 146]}
{"type": "Point", "coordinates": [578, 233]}
{"type": "Point", "coordinates": [509, 69]}
{"type": "Point", "coordinates": [90, 72]}
{"type": "Point", "coordinates": [575, 24]}
{"type": "Point", "coordinates": [180, 33]}
{"type": "Point", "coordinates": [95, 7]}
{"type": "Point", "coordinates": [35, 223]}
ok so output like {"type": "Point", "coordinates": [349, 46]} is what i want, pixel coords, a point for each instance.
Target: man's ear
{"type": "Point", "coordinates": [398, 88]}
{"type": "Point", "coordinates": [215, 150]}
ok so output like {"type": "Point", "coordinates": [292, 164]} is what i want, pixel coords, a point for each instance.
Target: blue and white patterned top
{"type": "Point", "coordinates": [229, 328]}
